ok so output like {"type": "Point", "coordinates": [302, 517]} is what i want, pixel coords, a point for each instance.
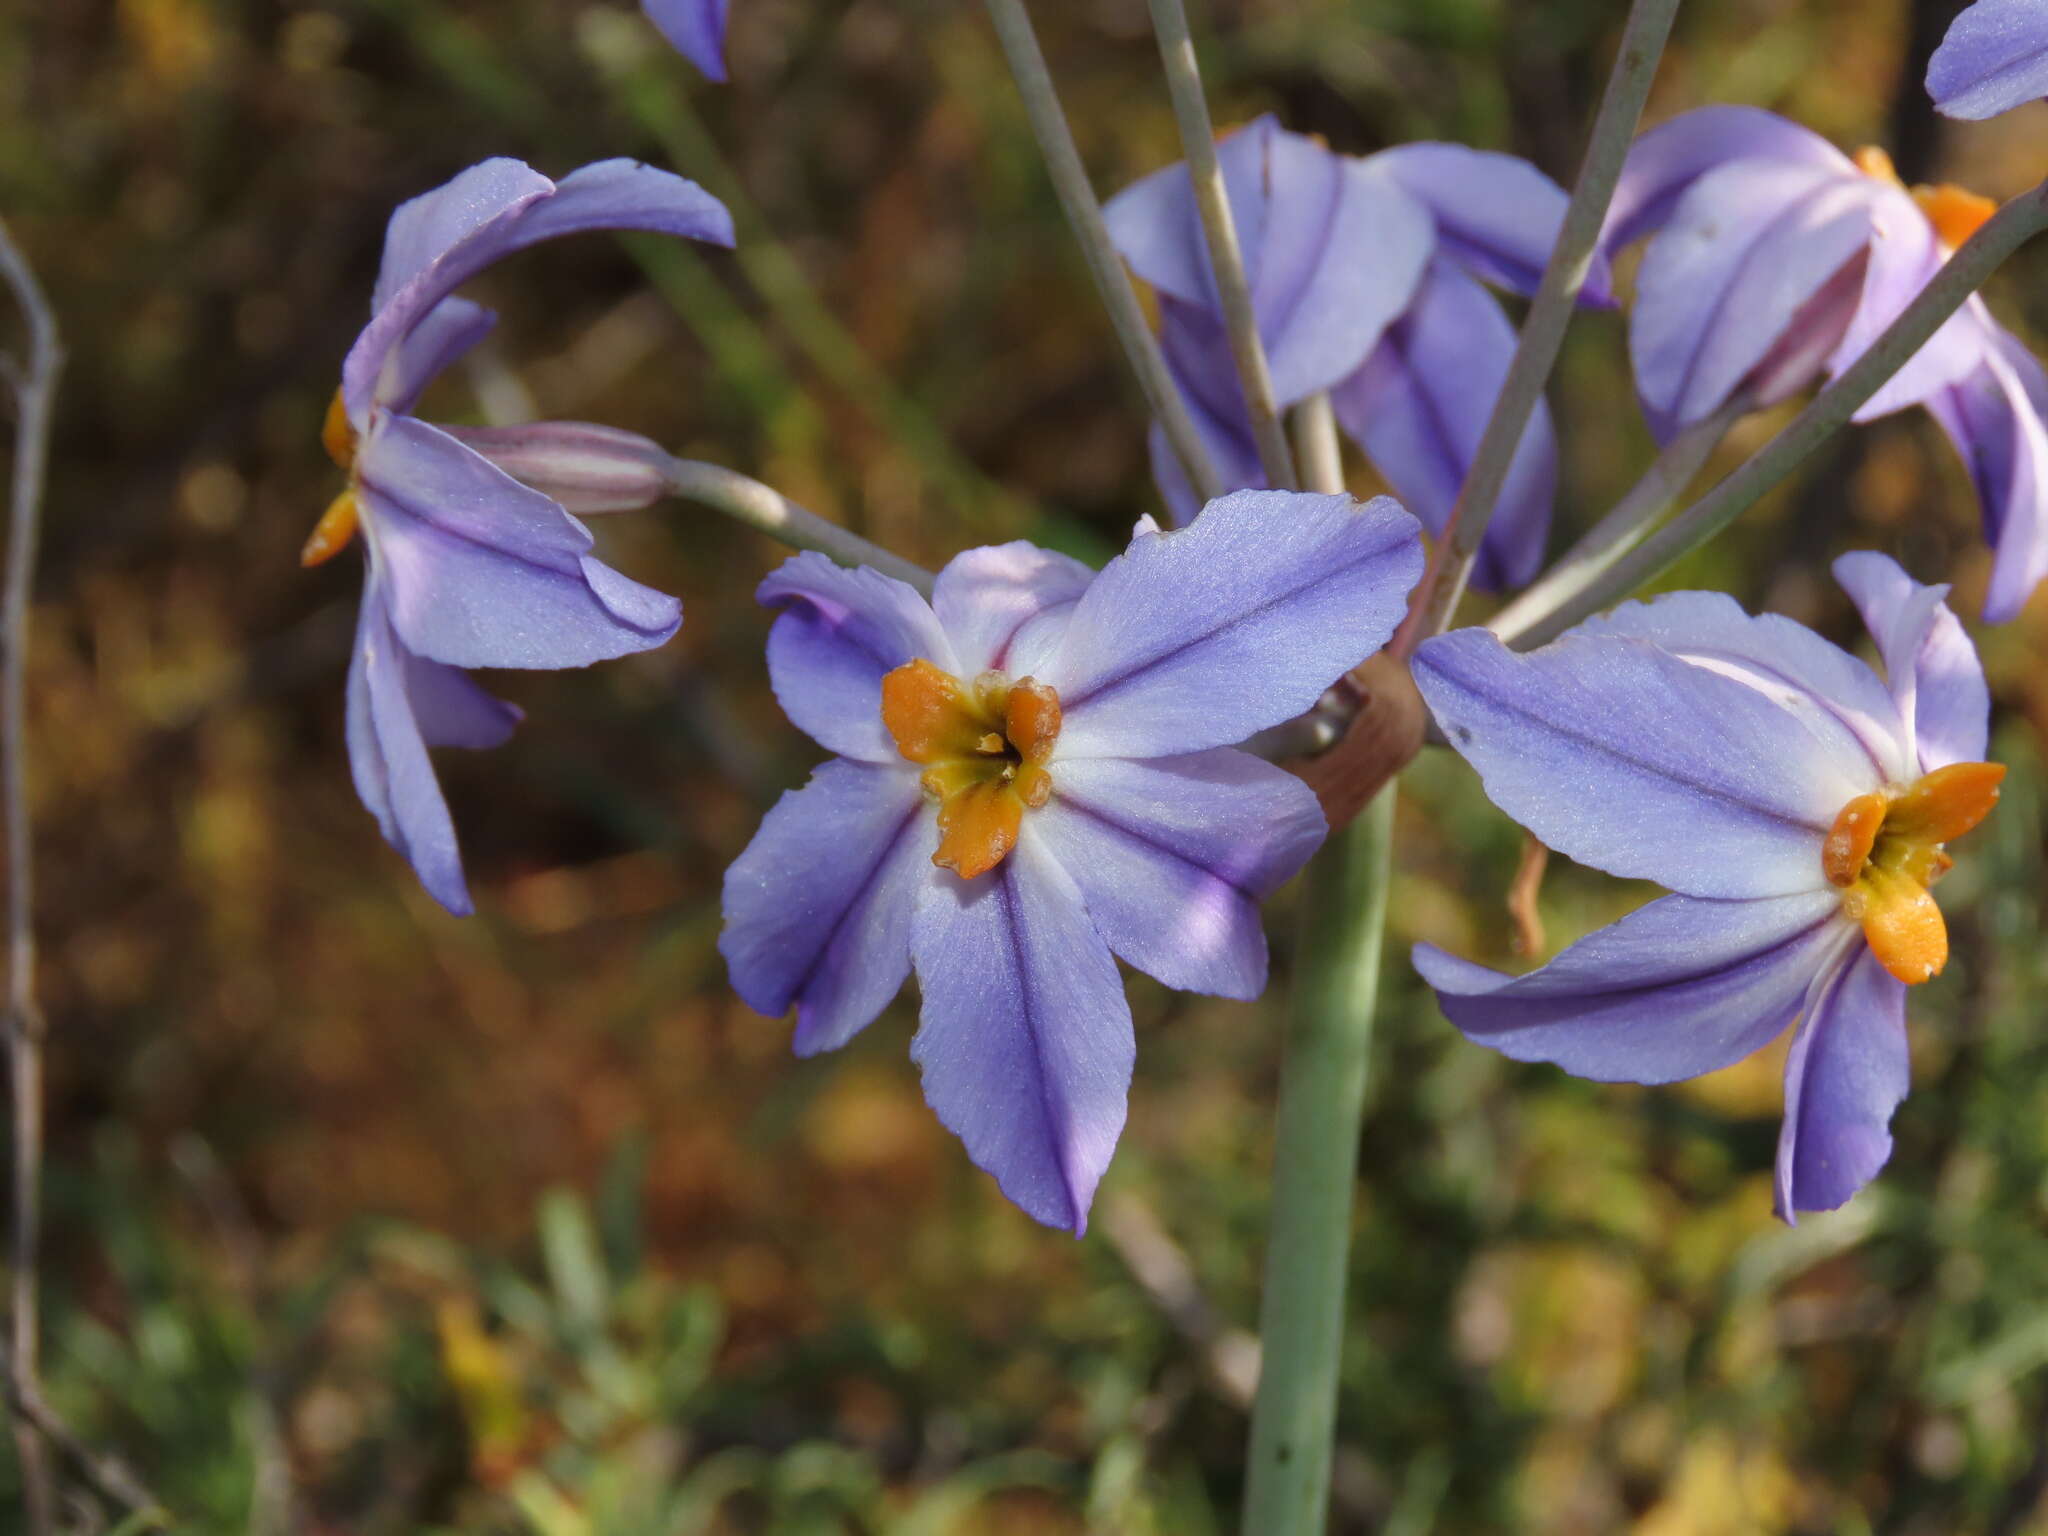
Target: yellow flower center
{"type": "Point", "coordinates": [1885, 852]}
{"type": "Point", "coordinates": [1955, 212]}
{"type": "Point", "coordinates": [337, 524]}
{"type": "Point", "coordinates": [984, 746]}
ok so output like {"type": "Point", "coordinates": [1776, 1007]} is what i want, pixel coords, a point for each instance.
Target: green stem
{"type": "Point", "coordinates": [1219, 229]}
{"type": "Point", "coordinates": [1571, 260]}
{"type": "Point", "coordinates": [768, 511]}
{"type": "Point", "coordinates": [1831, 410]}
{"type": "Point", "coordinates": [1112, 283]}
{"type": "Point", "coordinates": [1315, 1165]}
{"type": "Point", "coordinates": [1626, 522]}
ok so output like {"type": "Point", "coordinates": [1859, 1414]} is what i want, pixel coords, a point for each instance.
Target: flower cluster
{"type": "Point", "coordinates": [1039, 770]}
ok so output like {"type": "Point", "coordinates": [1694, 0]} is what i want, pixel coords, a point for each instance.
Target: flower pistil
{"type": "Point", "coordinates": [1885, 851]}
{"type": "Point", "coordinates": [984, 745]}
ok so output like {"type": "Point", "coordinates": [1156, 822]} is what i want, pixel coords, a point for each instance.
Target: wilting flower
{"type": "Point", "coordinates": [1778, 258]}
{"type": "Point", "coordinates": [1036, 772]}
{"type": "Point", "coordinates": [1796, 804]}
{"type": "Point", "coordinates": [1994, 57]}
{"type": "Point", "coordinates": [696, 29]}
{"type": "Point", "coordinates": [468, 566]}
{"type": "Point", "coordinates": [1366, 279]}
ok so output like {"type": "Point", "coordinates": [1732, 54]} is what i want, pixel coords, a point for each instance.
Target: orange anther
{"type": "Point", "coordinates": [926, 711]}
{"type": "Point", "coordinates": [1851, 838]}
{"type": "Point", "coordinates": [1887, 852]}
{"type": "Point", "coordinates": [978, 827]}
{"type": "Point", "coordinates": [1033, 785]}
{"type": "Point", "coordinates": [1901, 923]}
{"type": "Point", "coordinates": [1955, 213]}
{"type": "Point", "coordinates": [336, 435]}
{"type": "Point", "coordinates": [1946, 803]}
{"type": "Point", "coordinates": [1032, 720]}
{"type": "Point", "coordinates": [330, 536]}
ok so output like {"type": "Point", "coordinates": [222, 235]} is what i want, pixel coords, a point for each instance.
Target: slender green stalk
{"type": "Point", "coordinates": [769, 511]}
{"type": "Point", "coordinates": [1226, 257]}
{"type": "Point", "coordinates": [1627, 521]}
{"type": "Point", "coordinates": [1315, 1155]}
{"type": "Point", "coordinates": [1571, 260]}
{"type": "Point", "coordinates": [1315, 1164]}
{"type": "Point", "coordinates": [1831, 410]}
{"type": "Point", "coordinates": [1112, 283]}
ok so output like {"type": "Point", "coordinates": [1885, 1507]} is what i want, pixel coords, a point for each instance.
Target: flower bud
{"type": "Point", "coordinates": [585, 467]}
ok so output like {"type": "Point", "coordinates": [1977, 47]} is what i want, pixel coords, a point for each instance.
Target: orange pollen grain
{"type": "Point", "coordinates": [985, 746]}
{"type": "Point", "coordinates": [1885, 852]}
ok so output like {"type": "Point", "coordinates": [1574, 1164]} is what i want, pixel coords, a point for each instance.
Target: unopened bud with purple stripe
{"type": "Point", "coordinates": [586, 467]}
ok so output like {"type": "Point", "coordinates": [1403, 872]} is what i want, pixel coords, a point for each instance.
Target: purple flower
{"type": "Point", "coordinates": [1035, 773]}
{"type": "Point", "coordinates": [1793, 801]}
{"type": "Point", "coordinates": [1777, 258]}
{"type": "Point", "coordinates": [1366, 278]}
{"type": "Point", "coordinates": [468, 566]}
{"type": "Point", "coordinates": [1994, 58]}
{"type": "Point", "coordinates": [695, 28]}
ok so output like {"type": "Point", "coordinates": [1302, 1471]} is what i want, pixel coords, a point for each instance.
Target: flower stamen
{"type": "Point", "coordinates": [985, 747]}
{"type": "Point", "coordinates": [337, 525]}
{"type": "Point", "coordinates": [337, 436]}
{"type": "Point", "coordinates": [1885, 852]}
{"type": "Point", "coordinates": [330, 536]}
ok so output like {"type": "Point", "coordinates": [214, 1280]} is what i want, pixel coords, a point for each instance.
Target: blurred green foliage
{"type": "Point", "coordinates": [363, 1219]}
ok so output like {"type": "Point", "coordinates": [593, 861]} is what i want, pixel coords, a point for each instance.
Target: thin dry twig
{"type": "Point", "coordinates": [37, 1426]}
{"type": "Point", "coordinates": [35, 385]}
{"type": "Point", "coordinates": [107, 1474]}
{"type": "Point", "coordinates": [1229, 1355]}
{"type": "Point", "coordinates": [1522, 893]}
